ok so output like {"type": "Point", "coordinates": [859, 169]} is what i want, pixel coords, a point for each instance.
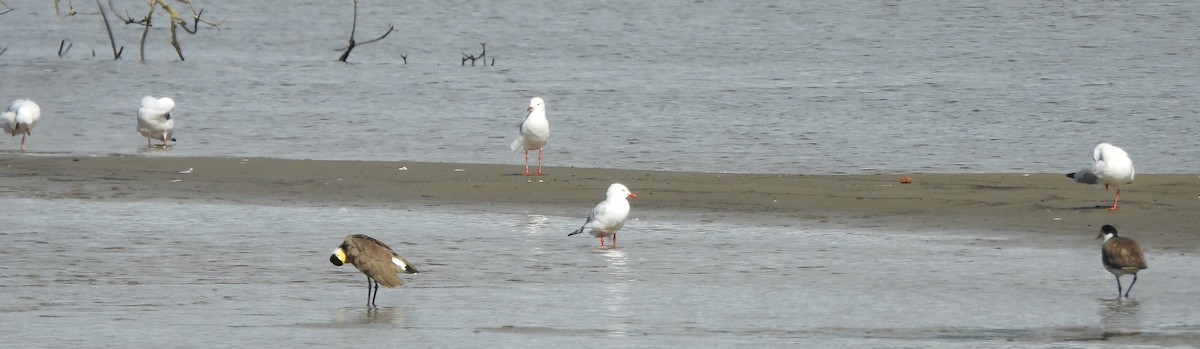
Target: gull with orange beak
{"type": "Point", "coordinates": [609, 215]}
{"type": "Point", "coordinates": [533, 133]}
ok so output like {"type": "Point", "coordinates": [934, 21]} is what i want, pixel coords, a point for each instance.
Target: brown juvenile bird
{"type": "Point", "coordinates": [373, 258]}
{"type": "Point", "coordinates": [1121, 256]}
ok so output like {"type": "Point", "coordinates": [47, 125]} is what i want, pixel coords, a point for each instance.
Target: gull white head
{"type": "Point", "coordinates": [618, 190]}
{"type": "Point", "coordinates": [536, 104]}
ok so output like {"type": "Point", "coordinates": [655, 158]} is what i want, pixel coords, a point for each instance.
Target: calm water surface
{"type": "Point", "coordinates": [724, 86]}
{"type": "Point", "coordinates": [155, 274]}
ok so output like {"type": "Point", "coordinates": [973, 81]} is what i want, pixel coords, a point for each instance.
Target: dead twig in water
{"type": "Point", "coordinates": [177, 21]}
{"type": "Point", "coordinates": [108, 27]}
{"type": "Point", "coordinates": [482, 56]}
{"type": "Point", "coordinates": [352, 44]}
{"type": "Point", "coordinates": [64, 46]}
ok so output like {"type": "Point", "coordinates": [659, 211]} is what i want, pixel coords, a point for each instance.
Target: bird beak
{"type": "Point", "coordinates": [338, 257]}
{"type": "Point", "coordinates": [529, 108]}
{"type": "Point", "coordinates": [632, 195]}
{"type": "Point", "coordinates": [1099, 235]}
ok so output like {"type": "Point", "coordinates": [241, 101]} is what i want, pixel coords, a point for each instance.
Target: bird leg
{"type": "Point", "coordinates": [1130, 287]}
{"type": "Point", "coordinates": [376, 294]}
{"type": "Point", "coordinates": [1114, 206]}
{"type": "Point", "coordinates": [22, 142]}
{"type": "Point", "coordinates": [527, 163]}
{"type": "Point", "coordinates": [539, 162]}
{"type": "Point", "coordinates": [614, 244]}
{"type": "Point", "coordinates": [601, 241]}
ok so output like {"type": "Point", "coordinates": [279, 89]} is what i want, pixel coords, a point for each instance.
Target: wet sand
{"type": "Point", "coordinates": [1158, 210]}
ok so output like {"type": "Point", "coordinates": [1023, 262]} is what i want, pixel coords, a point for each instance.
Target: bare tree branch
{"type": "Point", "coordinates": [390, 28]}
{"type": "Point", "coordinates": [176, 20]}
{"type": "Point", "coordinates": [112, 41]}
{"type": "Point", "coordinates": [353, 27]}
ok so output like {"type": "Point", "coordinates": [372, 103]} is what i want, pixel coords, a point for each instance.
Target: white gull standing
{"type": "Point", "coordinates": [1112, 167]}
{"type": "Point", "coordinates": [609, 215]}
{"type": "Point", "coordinates": [533, 133]}
{"type": "Point", "coordinates": [20, 117]}
{"type": "Point", "coordinates": [154, 119]}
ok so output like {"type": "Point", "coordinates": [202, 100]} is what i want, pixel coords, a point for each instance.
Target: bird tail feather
{"type": "Point", "coordinates": [516, 145]}
{"type": "Point", "coordinates": [577, 231]}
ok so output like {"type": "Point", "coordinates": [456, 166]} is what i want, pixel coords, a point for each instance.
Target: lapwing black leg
{"type": "Point", "coordinates": [1131, 286]}
{"type": "Point", "coordinates": [375, 294]}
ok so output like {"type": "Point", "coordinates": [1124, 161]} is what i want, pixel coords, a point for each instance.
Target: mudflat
{"type": "Point", "coordinates": [1162, 211]}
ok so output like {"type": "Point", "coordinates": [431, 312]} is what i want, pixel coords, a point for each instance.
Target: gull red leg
{"type": "Point", "coordinates": [22, 142]}
{"type": "Point", "coordinates": [601, 241]}
{"type": "Point", "coordinates": [527, 162]}
{"type": "Point", "coordinates": [539, 162]}
{"type": "Point", "coordinates": [614, 244]}
{"type": "Point", "coordinates": [1115, 199]}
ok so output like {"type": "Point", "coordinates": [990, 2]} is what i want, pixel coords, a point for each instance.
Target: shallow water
{"type": "Point", "coordinates": [206, 275]}
{"type": "Point", "coordinates": [723, 86]}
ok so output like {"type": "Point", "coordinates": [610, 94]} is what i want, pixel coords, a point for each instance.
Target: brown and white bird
{"type": "Point", "coordinates": [20, 117]}
{"type": "Point", "coordinates": [373, 258]}
{"type": "Point", "coordinates": [1112, 166]}
{"type": "Point", "coordinates": [1121, 256]}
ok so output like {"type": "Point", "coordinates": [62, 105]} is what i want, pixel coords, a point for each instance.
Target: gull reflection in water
{"type": "Point", "coordinates": [616, 299]}
{"type": "Point", "coordinates": [370, 315]}
{"type": "Point", "coordinates": [535, 223]}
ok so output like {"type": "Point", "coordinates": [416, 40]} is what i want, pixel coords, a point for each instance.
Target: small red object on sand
{"type": "Point", "coordinates": [906, 180]}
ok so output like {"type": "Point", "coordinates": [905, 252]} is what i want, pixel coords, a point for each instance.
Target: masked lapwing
{"type": "Point", "coordinates": [1121, 256]}
{"type": "Point", "coordinates": [373, 258]}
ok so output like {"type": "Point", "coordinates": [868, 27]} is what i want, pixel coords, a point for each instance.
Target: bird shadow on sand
{"type": "Point", "coordinates": [1085, 208]}
{"type": "Point", "coordinates": [156, 149]}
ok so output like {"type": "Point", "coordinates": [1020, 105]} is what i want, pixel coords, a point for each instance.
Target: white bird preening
{"type": "Point", "coordinates": [1121, 256]}
{"type": "Point", "coordinates": [1112, 166]}
{"type": "Point", "coordinates": [20, 117]}
{"type": "Point", "coordinates": [533, 133]}
{"type": "Point", "coordinates": [609, 215]}
{"type": "Point", "coordinates": [378, 261]}
{"type": "Point", "coordinates": [154, 120]}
